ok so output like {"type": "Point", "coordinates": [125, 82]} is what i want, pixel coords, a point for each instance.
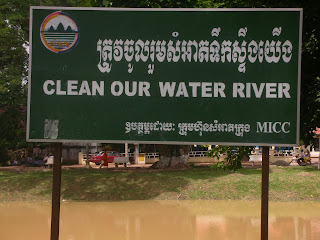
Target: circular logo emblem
{"type": "Point", "coordinates": [59, 32]}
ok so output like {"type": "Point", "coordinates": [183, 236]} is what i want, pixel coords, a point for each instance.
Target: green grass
{"type": "Point", "coordinates": [286, 184]}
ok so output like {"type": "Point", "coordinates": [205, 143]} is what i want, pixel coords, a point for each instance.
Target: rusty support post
{"type": "Point", "coordinates": [265, 193]}
{"type": "Point", "coordinates": [56, 187]}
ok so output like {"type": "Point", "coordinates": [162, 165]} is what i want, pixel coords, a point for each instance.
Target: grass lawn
{"type": "Point", "coordinates": [286, 184]}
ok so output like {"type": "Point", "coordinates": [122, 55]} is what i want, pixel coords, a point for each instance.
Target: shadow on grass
{"type": "Point", "coordinates": [133, 184]}
{"type": "Point", "coordinates": [26, 185]}
{"type": "Point", "coordinates": [108, 185]}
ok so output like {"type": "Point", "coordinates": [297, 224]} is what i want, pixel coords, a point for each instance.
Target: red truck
{"type": "Point", "coordinates": [112, 157]}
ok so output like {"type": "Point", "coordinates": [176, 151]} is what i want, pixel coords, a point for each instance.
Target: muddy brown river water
{"type": "Point", "coordinates": [161, 220]}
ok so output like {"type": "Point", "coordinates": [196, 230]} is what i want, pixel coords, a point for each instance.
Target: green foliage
{"type": "Point", "coordinates": [14, 42]}
{"type": "Point", "coordinates": [155, 3]}
{"type": "Point", "coordinates": [234, 156]}
{"type": "Point", "coordinates": [13, 65]}
{"type": "Point", "coordinates": [4, 156]}
{"type": "Point", "coordinates": [220, 165]}
{"type": "Point", "coordinates": [191, 164]}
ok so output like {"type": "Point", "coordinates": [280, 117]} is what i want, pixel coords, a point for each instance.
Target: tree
{"type": "Point", "coordinates": [235, 155]}
{"type": "Point", "coordinates": [155, 3]}
{"type": "Point", "coordinates": [14, 42]}
{"type": "Point", "coordinates": [172, 156]}
{"type": "Point", "coordinates": [13, 62]}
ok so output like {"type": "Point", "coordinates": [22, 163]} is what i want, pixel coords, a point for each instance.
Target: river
{"type": "Point", "coordinates": [161, 220]}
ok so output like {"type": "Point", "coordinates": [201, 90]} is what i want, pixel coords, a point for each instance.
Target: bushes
{"type": "Point", "coordinates": [235, 154]}
{"type": "Point", "coordinates": [4, 156]}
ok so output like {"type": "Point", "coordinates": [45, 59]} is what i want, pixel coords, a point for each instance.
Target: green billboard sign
{"type": "Point", "coordinates": [200, 76]}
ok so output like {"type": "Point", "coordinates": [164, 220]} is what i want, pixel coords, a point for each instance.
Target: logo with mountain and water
{"type": "Point", "coordinates": [59, 32]}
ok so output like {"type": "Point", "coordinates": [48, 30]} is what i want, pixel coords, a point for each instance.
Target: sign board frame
{"type": "Point", "coordinates": [165, 140]}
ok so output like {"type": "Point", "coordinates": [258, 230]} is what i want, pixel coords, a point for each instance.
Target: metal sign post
{"type": "Point", "coordinates": [56, 188]}
{"type": "Point", "coordinates": [265, 193]}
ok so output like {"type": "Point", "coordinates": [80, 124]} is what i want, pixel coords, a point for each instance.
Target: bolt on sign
{"type": "Point", "coordinates": [181, 76]}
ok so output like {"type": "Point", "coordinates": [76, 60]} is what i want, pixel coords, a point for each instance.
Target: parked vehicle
{"type": "Point", "coordinates": [305, 158]}
{"type": "Point", "coordinates": [112, 157]}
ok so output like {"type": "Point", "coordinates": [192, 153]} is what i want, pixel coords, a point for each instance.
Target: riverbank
{"type": "Point", "coordinates": [80, 184]}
